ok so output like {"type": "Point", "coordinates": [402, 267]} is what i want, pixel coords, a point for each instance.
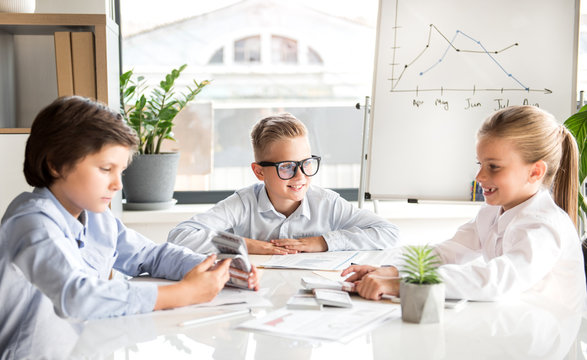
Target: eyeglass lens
{"type": "Point", "coordinates": [287, 170]}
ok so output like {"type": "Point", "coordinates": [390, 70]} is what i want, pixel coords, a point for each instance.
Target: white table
{"type": "Point", "coordinates": [479, 331]}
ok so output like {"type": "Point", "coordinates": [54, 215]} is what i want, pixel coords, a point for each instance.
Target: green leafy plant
{"type": "Point", "coordinates": [577, 125]}
{"type": "Point", "coordinates": [152, 117]}
{"type": "Point", "coordinates": [420, 265]}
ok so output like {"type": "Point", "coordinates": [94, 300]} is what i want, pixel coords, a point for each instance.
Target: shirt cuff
{"type": "Point", "coordinates": [190, 262]}
{"type": "Point", "coordinates": [332, 241]}
{"type": "Point", "coordinates": [142, 297]}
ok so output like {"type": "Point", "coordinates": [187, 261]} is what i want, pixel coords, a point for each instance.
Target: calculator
{"type": "Point", "coordinates": [333, 298]}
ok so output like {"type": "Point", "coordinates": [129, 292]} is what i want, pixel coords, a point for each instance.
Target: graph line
{"type": "Point", "coordinates": [395, 81]}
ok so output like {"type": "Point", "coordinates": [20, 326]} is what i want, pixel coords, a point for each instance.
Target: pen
{"type": "Point", "coordinates": [394, 299]}
{"type": "Point", "coordinates": [215, 317]}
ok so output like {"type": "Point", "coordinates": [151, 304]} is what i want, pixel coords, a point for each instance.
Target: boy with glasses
{"type": "Point", "coordinates": [284, 214]}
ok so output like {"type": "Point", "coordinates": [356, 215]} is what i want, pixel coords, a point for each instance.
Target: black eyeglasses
{"type": "Point", "coordinates": [288, 169]}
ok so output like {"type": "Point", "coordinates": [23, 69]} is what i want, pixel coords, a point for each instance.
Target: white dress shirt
{"type": "Point", "coordinates": [532, 249]}
{"type": "Point", "coordinates": [52, 263]}
{"type": "Point", "coordinates": [249, 213]}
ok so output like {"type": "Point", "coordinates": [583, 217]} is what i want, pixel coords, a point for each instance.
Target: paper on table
{"type": "Point", "coordinates": [378, 258]}
{"type": "Point", "coordinates": [329, 324]}
{"type": "Point", "coordinates": [335, 260]}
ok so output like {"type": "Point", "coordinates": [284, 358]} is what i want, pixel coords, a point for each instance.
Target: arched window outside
{"type": "Point", "coordinates": [248, 50]}
{"type": "Point", "coordinates": [218, 57]}
{"type": "Point", "coordinates": [283, 50]}
{"type": "Point", "coordinates": [314, 58]}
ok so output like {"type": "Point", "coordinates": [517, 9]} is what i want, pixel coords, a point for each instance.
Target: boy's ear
{"type": "Point", "coordinates": [537, 171]}
{"type": "Point", "coordinates": [52, 170]}
{"type": "Point", "coordinates": [258, 171]}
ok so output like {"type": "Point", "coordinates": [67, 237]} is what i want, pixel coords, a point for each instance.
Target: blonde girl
{"type": "Point", "coordinates": [524, 240]}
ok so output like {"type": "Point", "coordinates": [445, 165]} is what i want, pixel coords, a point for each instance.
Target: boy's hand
{"type": "Point", "coordinates": [200, 284]}
{"type": "Point", "coordinates": [266, 248]}
{"type": "Point", "coordinates": [206, 279]}
{"type": "Point", "coordinates": [309, 244]}
{"type": "Point", "coordinates": [252, 278]}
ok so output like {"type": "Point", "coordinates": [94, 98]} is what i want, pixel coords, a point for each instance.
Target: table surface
{"type": "Point", "coordinates": [500, 330]}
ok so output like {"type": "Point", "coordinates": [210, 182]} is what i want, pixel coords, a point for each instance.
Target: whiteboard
{"type": "Point", "coordinates": [441, 67]}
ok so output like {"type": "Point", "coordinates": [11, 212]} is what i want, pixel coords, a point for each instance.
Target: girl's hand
{"type": "Point", "coordinates": [308, 244]}
{"type": "Point", "coordinates": [201, 284]}
{"type": "Point", "coordinates": [252, 278]}
{"type": "Point", "coordinates": [358, 270]}
{"type": "Point", "coordinates": [381, 281]}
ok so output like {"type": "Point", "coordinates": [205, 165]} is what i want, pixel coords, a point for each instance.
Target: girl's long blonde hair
{"type": "Point", "coordinates": [537, 136]}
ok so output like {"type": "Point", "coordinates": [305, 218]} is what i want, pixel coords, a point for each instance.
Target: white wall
{"type": "Point", "coordinates": [73, 6]}
{"type": "Point", "coordinates": [12, 180]}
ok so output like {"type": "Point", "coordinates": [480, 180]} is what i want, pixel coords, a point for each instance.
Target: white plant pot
{"type": "Point", "coordinates": [422, 304]}
{"type": "Point", "coordinates": [17, 6]}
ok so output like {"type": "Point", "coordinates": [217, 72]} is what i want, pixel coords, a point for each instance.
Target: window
{"type": "Point", "coordinates": [302, 65]}
{"type": "Point", "coordinates": [284, 50]}
{"type": "Point", "coordinates": [218, 57]}
{"type": "Point", "coordinates": [248, 50]}
{"type": "Point", "coordinates": [313, 57]}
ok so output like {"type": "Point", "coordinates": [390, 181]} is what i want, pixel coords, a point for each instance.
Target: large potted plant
{"type": "Point", "coordinates": [421, 289]}
{"type": "Point", "coordinates": [149, 181]}
{"type": "Point", "coordinates": [577, 125]}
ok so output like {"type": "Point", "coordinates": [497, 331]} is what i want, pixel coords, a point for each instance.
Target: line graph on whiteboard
{"type": "Point", "coordinates": [442, 68]}
{"type": "Point", "coordinates": [418, 68]}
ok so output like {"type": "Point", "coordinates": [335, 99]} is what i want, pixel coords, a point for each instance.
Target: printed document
{"type": "Point", "coordinates": [335, 260]}
{"type": "Point", "coordinates": [328, 324]}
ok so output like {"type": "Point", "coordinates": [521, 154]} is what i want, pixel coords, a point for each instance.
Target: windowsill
{"type": "Point", "coordinates": [388, 209]}
{"type": "Point", "coordinates": [175, 213]}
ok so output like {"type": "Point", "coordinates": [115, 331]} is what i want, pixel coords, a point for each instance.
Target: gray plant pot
{"type": "Point", "coordinates": [422, 304]}
{"type": "Point", "coordinates": [150, 178]}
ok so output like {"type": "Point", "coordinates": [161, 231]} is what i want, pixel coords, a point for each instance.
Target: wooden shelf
{"type": "Point", "coordinates": [105, 41]}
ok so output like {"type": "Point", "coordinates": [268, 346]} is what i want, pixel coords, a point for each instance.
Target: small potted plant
{"type": "Point", "coordinates": [421, 289]}
{"type": "Point", "coordinates": [150, 179]}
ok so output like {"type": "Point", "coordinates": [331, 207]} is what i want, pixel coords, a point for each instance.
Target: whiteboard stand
{"type": "Point", "coordinates": [376, 206]}
{"type": "Point", "coordinates": [363, 180]}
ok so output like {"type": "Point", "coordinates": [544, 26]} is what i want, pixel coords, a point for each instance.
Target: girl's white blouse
{"type": "Point", "coordinates": [531, 250]}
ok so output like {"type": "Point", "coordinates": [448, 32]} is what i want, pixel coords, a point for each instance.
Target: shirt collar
{"type": "Point", "coordinates": [77, 226]}
{"type": "Point", "coordinates": [265, 205]}
{"type": "Point", "coordinates": [507, 216]}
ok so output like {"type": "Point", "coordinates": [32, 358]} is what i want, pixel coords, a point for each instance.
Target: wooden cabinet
{"type": "Point", "coordinates": [93, 69]}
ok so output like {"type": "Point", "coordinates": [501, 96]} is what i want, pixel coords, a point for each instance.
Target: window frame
{"type": "Point", "coordinates": [209, 196]}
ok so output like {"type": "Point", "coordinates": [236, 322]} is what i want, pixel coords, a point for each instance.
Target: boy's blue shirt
{"type": "Point", "coordinates": [250, 213]}
{"type": "Point", "coordinates": [51, 260]}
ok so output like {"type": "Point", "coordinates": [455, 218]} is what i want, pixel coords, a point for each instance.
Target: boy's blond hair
{"type": "Point", "coordinates": [537, 136]}
{"type": "Point", "coordinates": [274, 128]}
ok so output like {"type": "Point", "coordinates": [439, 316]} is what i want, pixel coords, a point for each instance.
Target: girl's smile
{"type": "Point", "coordinates": [505, 178]}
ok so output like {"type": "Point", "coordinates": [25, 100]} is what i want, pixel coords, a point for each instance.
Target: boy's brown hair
{"type": "Point", "coordinates": [274, 128]}
{"type": "Point", "coordinates": [68, 130]}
